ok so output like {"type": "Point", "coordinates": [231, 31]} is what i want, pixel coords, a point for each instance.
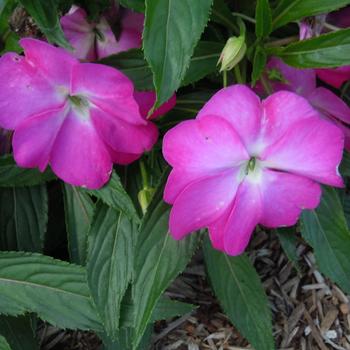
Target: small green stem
{"type": "Point", "coordinates": [224, 78]}
{"type": "Point", "coordinates": [247, 18]}
{"type": "Point", "coordinates": [331, 26]}
{"type": "Point", "coordinates": [238, 75]}
{"type": "Point", "coordinates": [266, 85]}
{"type": "Point", "coordinates": [284, 41]}
{"type": "Point", "coordinates": [144, 175]}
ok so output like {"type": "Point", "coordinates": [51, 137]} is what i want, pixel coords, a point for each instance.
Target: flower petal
{"type": "Point", "coordinates": [24, 91]}
{"type": "Point", "coordinates": [108, 89]}
{"type": "Point", "coordinates": [240, 106]}
{"type": "Point", "coordinates": [79, 156]}
{"type": "Point", "coordinates": [34, 137]}
{"type": "Point", "coordinates": [202, 202]}
{"type": "Point", "coordinates": [284, 196]}
{"type": "Point", "coordinates": [334, 76]}
{"type": "Point", "coordinates": [330, 104]}
{"type": "Point", "coordinates": [312, 147]}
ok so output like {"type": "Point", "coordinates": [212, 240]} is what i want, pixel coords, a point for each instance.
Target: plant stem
{"type": "Point", "coordinates": [238, 75]}
{"type": "Point", "coordinates": [144, 175]}
{"type": "Point", "coordinates": [224, 78]}
{"type": "Point", "coordinates": [284, 41]}
{"type": "Point", "coordinates": [331, 26]}
{"type": "Point", "coordinates": [266, 85]}
{"type": "Point", "coordinates": [247, 18]}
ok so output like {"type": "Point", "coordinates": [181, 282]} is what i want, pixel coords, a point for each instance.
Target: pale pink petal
{"type": "Point", "coordinates": [281, 111]}
{"type": "Point", "coordinates": [300, 81]}
{"type": "Point", "coordinates": [122, 136]}
{"type": "Point", "coordinates": [107, 45]}
{"type": "Point", "coordinates": [330, 104]}
{"type": "Point", "coordinates": [111, 92]}
{"type": "Point", "coordinates": [34, 137]}
{"type": "Point", "coordinates": [203, 145]}
{"type": "Point", "coordinates": [334, 76]}
{"type": "Point", "coordinates": [245, 215]}
{"type": "Point", "coordinates": [241, 107]}
{"type": "Point", "coordinates": [54, 63]}
{"type": "Point", "coordinates": [79, 156]}
{"type": "Point", "coordinates": [202, 202]}
{"type": "Point", "coordinates": [312, 147]}
{"type": "Point", "coordinates": [284, 196]}
{"type": "Point", "coordinates": [24, 91]}
{"type": "Point", "coordinates": [79, 32]}
{"type": "Point", "coordinates": [146, 100]}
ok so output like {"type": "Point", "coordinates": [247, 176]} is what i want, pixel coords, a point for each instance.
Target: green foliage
{"type": "Point", "coordinates": [263, 19]}
{"type": "Point", "coordinates": [241, 295]}
{"type": "Point", "coordinates": [137, 5]}
{"type": "Point", "coordinates": [289, 241]}
{"type": "Point", "coordinates": [4, 345]}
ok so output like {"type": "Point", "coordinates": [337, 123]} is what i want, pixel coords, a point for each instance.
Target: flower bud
{"type": "Point", "coordinates": [234, 50]}
{"type": "Point", "coordinates": [144, 197]}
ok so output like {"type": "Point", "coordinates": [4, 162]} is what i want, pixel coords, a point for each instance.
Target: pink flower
{"type": "Point", "coordinates": [93, 41]}
{"type": "Point", "coordinates": [146, 100]}
{"type": "Point", "coordinates": [244, 162]}
{"type": "Point", "coordinates": [78, 117]}
{"type": "Point", "coordinates": [303, 82]}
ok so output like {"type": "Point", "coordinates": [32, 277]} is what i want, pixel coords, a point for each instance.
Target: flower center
{"type": "Point", "coordinates": [99, 34]}
{"type": "Point", "coordinates": [80, 105]}
{"type": "Point", "coordinates": [250, 165]}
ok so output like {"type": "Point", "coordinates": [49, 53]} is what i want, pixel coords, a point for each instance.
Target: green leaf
{"type": "Point", "coordinates": [344, 167]}
{"type": "Point", "coordinates": [114, 195]}
{"type": "Point", "coordinates": [289, 241]}
{"type": "Point", "coordinates": [110, 263]}
{"type": "Point", "coordinates": [137, 5]}
{"type": "Point", "coordinates": [79, 210]}
{"type": "Point", "coordinates": [259, 63]}
{"type": "Point", "coordinates": [18, 332]}
{"type": "Point", "coordinates": [4, 345]}
{"type": "Point", "coordinates": [325, 229]}
{"type": "Point", "coordinates": [159, 259]}
{"type": "Point", "coordinates": [221, 14]}
{"type": "Point", "coordinates": [241, 295]}
{"type": "Point", "coordinates": [23, 218]}
{"type": "Point", "coordinates": [292, 10]}
{"type": "Point", "coordinates": [263, 19]}
{"type": "Point", "coordinates": [11, 175]}
{"type": "Point", "coordinates": [45, 14]}
{"type": "Point", "coordinates": [167, 308]}
{"type": "Point", "coordinates": [203, 62]}
{"type": "Point", "coordinates": [327, 50]}
{"type": "Point", "coordinates": [55, 290]}
{"type": "Point", "coordinates": [133, 65]}
{"type": "Point", "coordinates": [172, 30]}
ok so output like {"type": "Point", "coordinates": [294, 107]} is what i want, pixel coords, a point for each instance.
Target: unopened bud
{"type": "Point", "coordinates": [144, 197]}
{"type": "Point", "coordinates": [233, 52]}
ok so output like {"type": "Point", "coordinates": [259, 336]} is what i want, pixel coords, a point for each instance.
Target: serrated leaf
{"type": "Point", "coordinates": [4, 345]}
{"type": "Point", "coordinates": [241, 295]}
{"type": "Point", "coordinates": [291, 10]}
{"type": "Point", "coordinates": [325, 229]}
{"type": "Point", "coordinates": [18, 332]}
{"type": "Point", "coordinates": [159, 259]}
{"type": "Point", "coordinates": [263, 19]}
{"type": "Point", "coordinates": [172, 30]}
{"type": "Point", "coordinates": [137, 5]}
{"type": "Point", "coordinates": [114, 195]}
{"type": "Point", "coordinates": [110, 263]}
{"type": "Point", "coordinates": [289, 241]}
{"type": "Point", "coordinates": [79, 210]}
{"type": "Point", "coordinates": [326, 50]}
{"type": "Point", "coordinates": [23, 218]}
{"type": "Point", "coordinates": [55, 290]}
{"type": "Point", "coordinates": [11, 175]}
{"type": "Point", "coordinates": [45, 14]}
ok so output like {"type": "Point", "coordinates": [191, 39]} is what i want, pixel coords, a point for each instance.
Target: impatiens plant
{"type": "Point", "coordinates": [139, 134]}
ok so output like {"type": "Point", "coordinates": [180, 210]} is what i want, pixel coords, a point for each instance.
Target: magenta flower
{"type": "Point", "coordinates": [78, 117]}
{"type": "Point", "coordinates": [244, 162]}
{"type": "Point", "coordinates": [303, 82]}
{"type": "Point", "coordinates": [93, 41]}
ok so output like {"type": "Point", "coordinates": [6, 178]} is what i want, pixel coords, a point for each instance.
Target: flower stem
{"type": "Point", "coordinates": [144, 174]}
{"type": "Point", "coordinates": [266, 84]}
{"type": "Point", "coordinates": [247, 18]}
{"type": "Point", "coordinates": [284, 41]}
{"type": "Point", "coordinates": [238, 75]}
{"type": "Point", "coordinates": [224, 78]}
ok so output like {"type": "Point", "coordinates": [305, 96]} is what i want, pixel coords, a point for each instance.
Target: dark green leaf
{"type": "Point", "coordinates": [327, 50]}
{"type": "Point", "coordinates": [292, 10]}
{"type": "Point", "coordinates": [289, 241]}
{"type": "Point", "coordinates": [159, 259]}
{"type": "Point", "coordinates": [18, 332]}
{"type": "Point", "coordinates": [167, 308]}
{"type": "Point", "coordinates": [110, 263]}
{"type": "Point", "coordinates": [114, 195]}
{"type": "Point", "coordinates": [79, 210]}
{"type": "Point", "coordinates": [259, 63]}
{"type": "Point", "coordinates": [263, 19]}
{"type": "Point", "coordinates": [241, 295]}
{"type": "Point", "coordinates": [23, 218]}
{"type": "Point", "coordinates": [172, 30]}
{"type": "Point", "coordinates": [137, 5]}
{"type": "Point", "coordinates": [221, 14]}
{"type": "Point", "coordinates": [45, 14]}
{"type": "Point", "coordinates": [4, 345]}
{"type": "Point", "coordinates": [55, 290]}
{"type": "Point", "coordinates": [325, 229]}
{"type": "Point", "coordinates": [345, 164]}
{"type": "Point", "coordinates": [203, 62]}
{"type": "Point", "coordinates": [12, 175]}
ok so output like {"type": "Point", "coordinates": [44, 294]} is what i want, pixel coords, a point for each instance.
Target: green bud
{"type": "Point", "coordinates": [233, 52]}
{"type": "Point", "coordinates": [144, 197]}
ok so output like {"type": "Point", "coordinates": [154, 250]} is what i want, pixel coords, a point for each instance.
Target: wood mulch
{"type": "Point", "coordinates": [309, 312]}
